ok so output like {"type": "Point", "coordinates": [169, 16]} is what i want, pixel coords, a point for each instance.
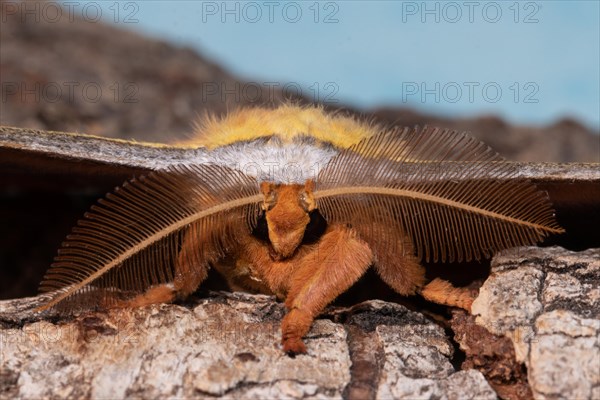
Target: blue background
{"type": "Point", "coordinates": [529, 62]}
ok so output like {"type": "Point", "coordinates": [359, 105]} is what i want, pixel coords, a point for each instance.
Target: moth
{"type": "Point", "coordinates": [298, 203]}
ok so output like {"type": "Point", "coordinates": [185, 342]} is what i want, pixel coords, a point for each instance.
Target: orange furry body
{"type": "Point", "coordinates": [306, 276]}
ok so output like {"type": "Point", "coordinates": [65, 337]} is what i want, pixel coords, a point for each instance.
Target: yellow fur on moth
{"type": "Point", "coordinates": [287, 122]}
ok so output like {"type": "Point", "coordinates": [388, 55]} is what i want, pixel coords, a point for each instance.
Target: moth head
{"type": "Point", "coordinates": [287, 208]}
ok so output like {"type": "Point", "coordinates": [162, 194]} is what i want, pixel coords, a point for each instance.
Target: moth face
{"type": "Point", "coordinates": [286, 211]}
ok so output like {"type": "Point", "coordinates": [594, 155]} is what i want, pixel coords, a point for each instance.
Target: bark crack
{"type": "Point", "coordinates": [366, 356]}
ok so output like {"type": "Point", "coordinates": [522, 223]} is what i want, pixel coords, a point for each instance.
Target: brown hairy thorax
{"type": "Point", "coordinates": [286, 209]}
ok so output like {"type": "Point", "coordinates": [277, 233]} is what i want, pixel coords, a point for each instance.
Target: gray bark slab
{"type": "Point", "coordinates": [227, 345]}
{"type": "Point", "coordinates": [547, 301]}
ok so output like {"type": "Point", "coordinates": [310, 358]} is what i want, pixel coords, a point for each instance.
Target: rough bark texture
{"type": "Point", "coordinates": [406, 355]}
{"type": "Point", "coordinates": [491, 354]}
{"type": "Point", "coordinates": [228, 345]}
{"type": "Point", "coordinates": [540, 307]}
{"type": "Point", "coordinates": [547, 301]}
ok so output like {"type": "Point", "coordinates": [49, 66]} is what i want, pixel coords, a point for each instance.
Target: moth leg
{"type": "Point", "coordinates": [192, 266]}
{"type": "Point", "coordinates": [443, 292]}
{"type": "Point", "coordinates": [274, 275]}
{"type": "Point", "coordinates": [336, 262]}
{"type": "Point", "coordinates": [397, 265]}
{"type": "Point", "coordinates": [399, 268]}
{"type": "Point", "coordinates": [156, 294]}
{"type": "Point", "coordinates": [189, 274]}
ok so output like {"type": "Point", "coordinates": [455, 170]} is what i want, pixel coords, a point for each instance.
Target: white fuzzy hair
{"type": "Point", "coordinates": [270, 159]}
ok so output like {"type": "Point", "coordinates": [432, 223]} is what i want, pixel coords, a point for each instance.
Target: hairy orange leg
{"type": "Point", "coordinates": [395, 261]}
{"type": "Point", "coordinates": [399, 268]}
{"type": "Point", "coordinates": [189, 274]}
{"type": "Point", "coordinates": [331, 266]}
{"type": "Point", "coordinates": [442, 292]}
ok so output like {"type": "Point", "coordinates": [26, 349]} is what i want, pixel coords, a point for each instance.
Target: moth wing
{"type": "Point", "coordinates": [451, 195]}
{"type": "Point", "coordinates": [131, 239]}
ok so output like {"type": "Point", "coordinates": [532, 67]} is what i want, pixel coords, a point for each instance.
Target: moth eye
{"type": "Point", "coordinates": [270, 200]}
{"type": "Point", "coordinates": [305, 201]}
